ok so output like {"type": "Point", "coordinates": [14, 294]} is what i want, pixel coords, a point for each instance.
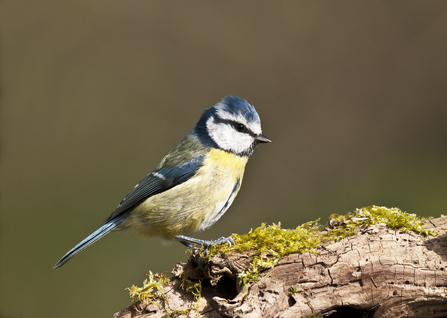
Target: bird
{"type": "Point", "coordinates": [194, 184]}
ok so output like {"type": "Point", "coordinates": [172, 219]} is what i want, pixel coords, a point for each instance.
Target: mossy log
{"type": "Point", "coordinates": [378, 272]}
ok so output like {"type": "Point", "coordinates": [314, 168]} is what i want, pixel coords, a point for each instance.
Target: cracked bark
{"type": "Point", "coordinates": [379, 272]}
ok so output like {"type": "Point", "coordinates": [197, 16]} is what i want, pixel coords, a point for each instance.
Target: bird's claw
{"type": "Point", "coordinates": [189, 242]}
{"type": "Point", "coordinates": [222, 240]}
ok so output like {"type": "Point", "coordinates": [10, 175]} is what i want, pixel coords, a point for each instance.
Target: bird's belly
{"type": "Point", "coordinates": [194, 205]}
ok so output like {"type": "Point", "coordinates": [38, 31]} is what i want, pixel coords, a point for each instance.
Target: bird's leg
{"type": "Point", "coordinates": [189, 241]}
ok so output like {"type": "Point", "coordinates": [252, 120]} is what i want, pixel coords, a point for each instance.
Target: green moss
{"type": "Point", "coordinates": [267, 244]}
{"type": "Point", "coordinates": [270, 243]}
{"type": "Point", "coordinates": [193, 287]}
{"type": "Point", "coordinates": [392, 217]}
{"type": "Point", "coordinates": [292, 291]}
{"type": "Point", "coordinates": [150, 293]}
{"type": "Point", "coordinates": [151, 286]}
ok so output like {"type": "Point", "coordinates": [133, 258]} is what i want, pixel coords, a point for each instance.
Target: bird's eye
{"type": "Point", "coordinates": [240, 127]}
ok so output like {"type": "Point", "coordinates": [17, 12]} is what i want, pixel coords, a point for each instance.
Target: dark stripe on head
{"type": "Point", "coordinates": [233, 123]}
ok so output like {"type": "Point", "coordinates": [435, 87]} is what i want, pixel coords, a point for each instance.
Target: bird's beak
{"type": "Point", "coordinates": [262, 138]}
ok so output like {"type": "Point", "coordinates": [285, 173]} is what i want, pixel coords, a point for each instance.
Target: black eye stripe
{"type": "Point", "coordinates": [234, 124]}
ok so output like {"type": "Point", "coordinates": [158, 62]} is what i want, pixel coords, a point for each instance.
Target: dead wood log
{"type": "Point", "coordinates": [378, 272]}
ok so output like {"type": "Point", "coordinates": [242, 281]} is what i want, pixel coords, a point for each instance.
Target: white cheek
{"type": "Point", "coordinates": [227, 138]}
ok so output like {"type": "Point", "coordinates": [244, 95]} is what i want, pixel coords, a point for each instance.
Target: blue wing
{"type": "Point", "coordinates": [157, 181]}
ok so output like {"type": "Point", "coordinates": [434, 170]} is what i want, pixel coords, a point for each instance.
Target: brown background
{"type": "Point", "coordinates": [94, 93]}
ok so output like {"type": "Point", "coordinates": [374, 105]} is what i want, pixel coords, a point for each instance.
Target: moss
{"type": "Point", "coordinates": [151, 286]}
{"type": "Point", "coordinates": [267, 244]}
{"type": "Point", "coordinates": [270, 243]}
{"type": "Point", "coordinates": [392, 217]}
{"type": "Point", "coordinates": [193, 287]}
{"type": "Point", "coordinates": [292, 291]}
{"type": "Point", "coordinates": [150, 293]}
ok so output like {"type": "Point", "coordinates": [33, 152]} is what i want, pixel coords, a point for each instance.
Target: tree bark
{"type": "Point", "coordinates": [378, 272]}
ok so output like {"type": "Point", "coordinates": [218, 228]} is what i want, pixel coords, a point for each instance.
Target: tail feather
{"type": "Point", "coordinates": [92, 238]}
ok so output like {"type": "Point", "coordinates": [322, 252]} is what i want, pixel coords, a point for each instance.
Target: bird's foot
{"type": "Point", "coordinates": [189, 241]}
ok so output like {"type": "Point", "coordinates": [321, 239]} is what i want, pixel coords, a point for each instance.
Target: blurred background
{"type": "Point", "coordinates": [94, 93]}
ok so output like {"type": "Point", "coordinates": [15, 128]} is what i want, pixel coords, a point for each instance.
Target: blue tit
{"type": "Point", "coordinates": [194, 184]}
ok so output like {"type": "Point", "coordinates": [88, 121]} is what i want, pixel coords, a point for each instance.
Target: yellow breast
{"type": "Point", "coordinates": [194, 205]}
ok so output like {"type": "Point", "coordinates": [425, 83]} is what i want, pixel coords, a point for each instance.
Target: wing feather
{"type": "Point", "coordinates": [156, 182]}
